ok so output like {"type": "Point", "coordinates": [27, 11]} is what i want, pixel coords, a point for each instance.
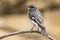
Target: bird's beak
{"type": "Point", "coordinates": [26, 7]}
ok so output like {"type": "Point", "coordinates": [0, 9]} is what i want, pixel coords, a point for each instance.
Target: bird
{"type": "Point", "coordinates": [36, 18]}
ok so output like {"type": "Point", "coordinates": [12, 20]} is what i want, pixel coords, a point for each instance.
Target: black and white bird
{"type": "Point", "coordinates": [36, 18]}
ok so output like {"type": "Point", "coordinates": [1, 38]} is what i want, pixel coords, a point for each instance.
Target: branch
{"type": "Point", "coordinates": [22, 32]}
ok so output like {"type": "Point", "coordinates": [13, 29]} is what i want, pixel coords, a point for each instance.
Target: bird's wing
{"type": "Point", "coordinates": [39, 16]}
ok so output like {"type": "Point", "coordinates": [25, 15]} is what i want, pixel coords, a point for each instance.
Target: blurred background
{"type": "Point", "coordinates": [13, 17]}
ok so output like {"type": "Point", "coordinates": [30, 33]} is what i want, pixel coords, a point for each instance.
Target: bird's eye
{"type": "Point", "coordinates": [32, 7]}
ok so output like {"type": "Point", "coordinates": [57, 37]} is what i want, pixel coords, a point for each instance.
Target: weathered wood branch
{"type": "Point", "coordinates": [22, 32]}
{"type": "Point", "coordinates": [19, 32]}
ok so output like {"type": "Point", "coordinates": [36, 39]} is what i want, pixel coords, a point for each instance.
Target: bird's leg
{"type": "Point", "coordinates": [38, 29]}
{"type": "Point", "coordinates": [32, 27]}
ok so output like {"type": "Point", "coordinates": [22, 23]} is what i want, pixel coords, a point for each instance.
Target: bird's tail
{"type": "Point", "coordinates": [43, 30]}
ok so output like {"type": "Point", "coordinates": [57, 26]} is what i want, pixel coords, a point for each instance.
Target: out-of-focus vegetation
{"type": "Point", "coordinates": [13, 17]}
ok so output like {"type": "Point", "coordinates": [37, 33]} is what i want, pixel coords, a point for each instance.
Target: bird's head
{"type": "Point", "coordinates": [32, 7]}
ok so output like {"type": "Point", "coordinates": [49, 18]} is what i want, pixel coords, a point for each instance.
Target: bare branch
{"type": "Point", "coordinates": [22, 32]}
